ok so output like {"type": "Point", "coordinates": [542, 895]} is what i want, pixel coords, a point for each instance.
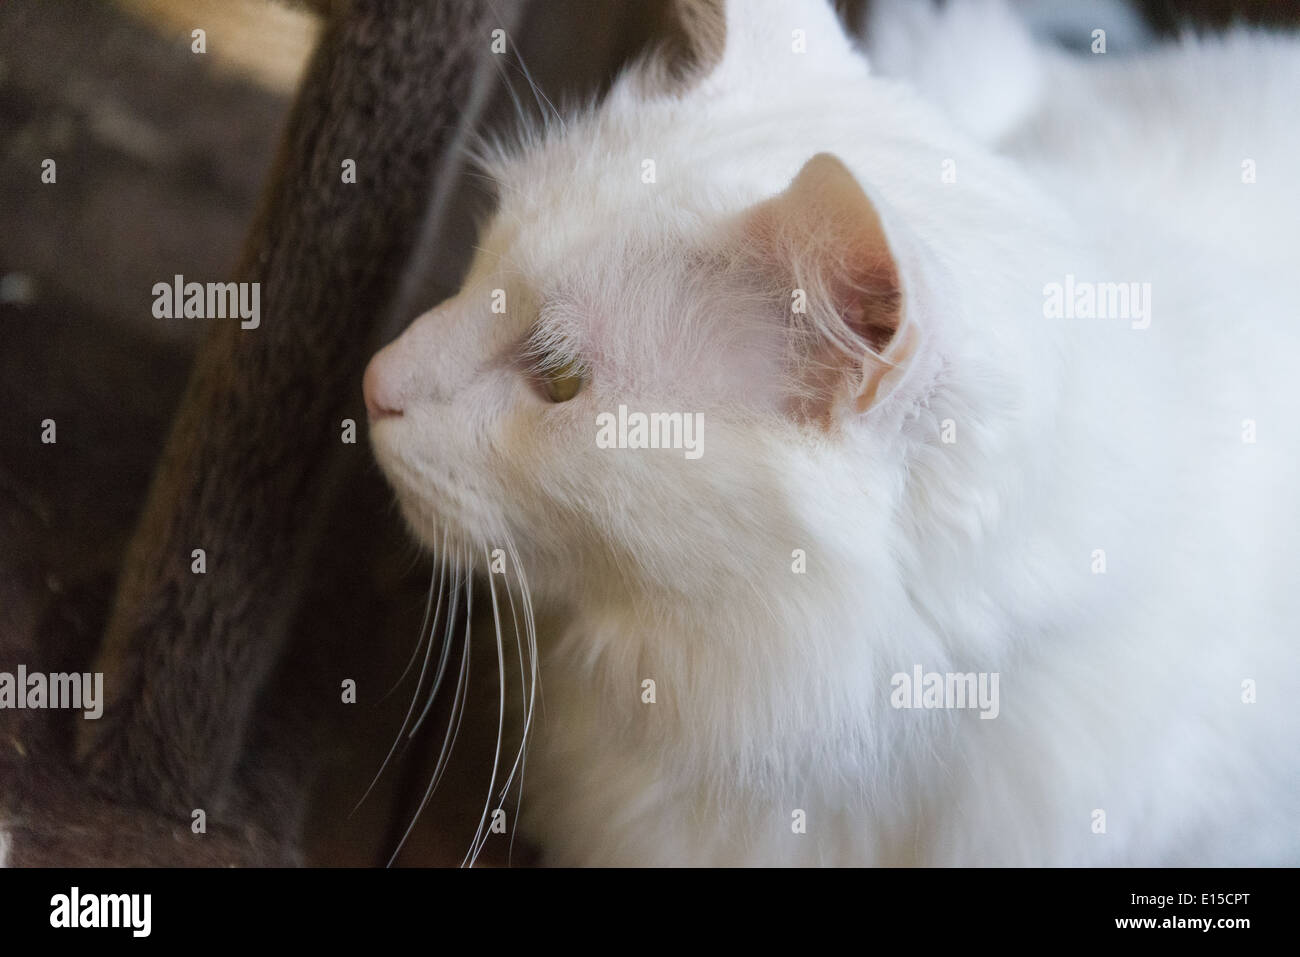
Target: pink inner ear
{"type": "Point", "coordinates": [823, 234]}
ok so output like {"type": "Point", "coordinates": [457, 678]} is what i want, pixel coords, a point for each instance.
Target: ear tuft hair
{"type": "Point", "coordinates": [821, 243]}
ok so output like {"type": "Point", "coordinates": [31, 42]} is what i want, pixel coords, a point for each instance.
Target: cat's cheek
{"type": "Point", "coordinates": [534, 436]}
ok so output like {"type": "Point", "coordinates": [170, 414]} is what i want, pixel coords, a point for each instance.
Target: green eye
{"type": "Point", "coordinates": [561, 382]}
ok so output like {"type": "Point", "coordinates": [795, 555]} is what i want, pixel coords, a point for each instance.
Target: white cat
{"type": "Point", "coordinates": [1000, 386]}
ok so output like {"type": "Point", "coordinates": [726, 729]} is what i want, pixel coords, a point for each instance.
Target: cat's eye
{"type": "Point", "coordinates": [560, 381]}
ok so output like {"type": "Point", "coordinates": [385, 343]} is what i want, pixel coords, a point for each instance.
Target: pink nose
{"type": "Point", "coordinates": [379, 388]}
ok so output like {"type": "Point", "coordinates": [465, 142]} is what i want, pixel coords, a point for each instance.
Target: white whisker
{"type": "Point", "coordinates": [538, 96]}
{"type": "Point", "coordinates": [480, 836]}
{"type": "Point", "coordinates": [438, 571]}
{"type": "Point", "coordinates": [454, 721]}
{"type": "Point", "coordinates": [431, 625]}
{"type": "Point", "coordinates": [530, 630]}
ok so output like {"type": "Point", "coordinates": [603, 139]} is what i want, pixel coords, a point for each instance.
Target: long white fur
{"type": "Point", "coordinates": [1121, 691]}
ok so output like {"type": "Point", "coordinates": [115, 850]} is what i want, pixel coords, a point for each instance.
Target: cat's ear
{"type": "Point", "coordinates": [819, 249]}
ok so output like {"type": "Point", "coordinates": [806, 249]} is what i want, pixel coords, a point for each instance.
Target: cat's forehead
{"type": "Point", "coordinates": [626, 273]}
{"type": "Point", "coordinates": [613, 226]}
{"type": "Point", "coordinates": [670, 166]}
{"type": "Point", "coordinates": [599, 205]}
{"type": "Point", "coordinates": [609, 287]}
{"type": "Point", "coordinates": [568, 194]}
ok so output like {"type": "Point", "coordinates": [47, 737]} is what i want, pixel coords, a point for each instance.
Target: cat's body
{"type": "Point", "coordinates": [1067, 503]}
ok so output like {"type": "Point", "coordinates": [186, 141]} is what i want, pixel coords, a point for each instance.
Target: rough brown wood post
{"type": "Point", "coordinates": [251, 463]}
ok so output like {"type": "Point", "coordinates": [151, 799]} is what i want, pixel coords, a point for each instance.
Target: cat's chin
{"type": "Point", "coordinates": [422, 519]}
{"type": "Point", "coordinates": [433, 522]}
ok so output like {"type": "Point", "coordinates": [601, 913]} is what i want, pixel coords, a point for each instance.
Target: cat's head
{"type": "Point", "coordinates": [718, 268]}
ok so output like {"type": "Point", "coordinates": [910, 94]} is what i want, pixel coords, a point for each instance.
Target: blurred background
{"type": "Point", "coordinates": [162, 155]}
